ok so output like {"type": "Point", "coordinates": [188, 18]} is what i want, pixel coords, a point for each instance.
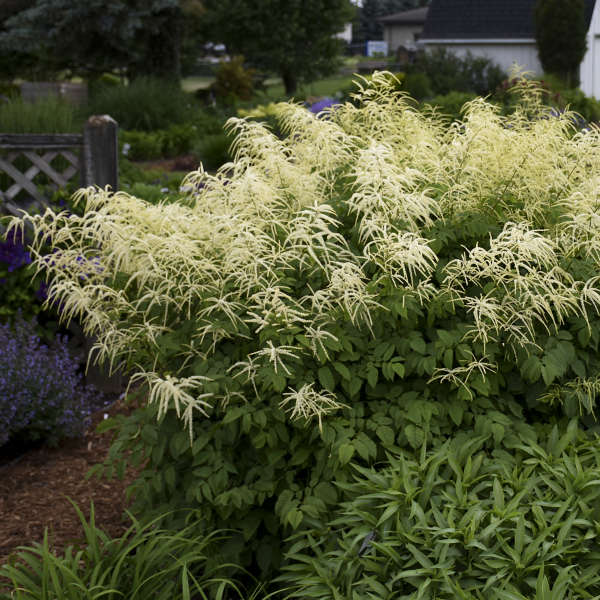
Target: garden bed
{"type": "Point", "coordinates": [35, 489]}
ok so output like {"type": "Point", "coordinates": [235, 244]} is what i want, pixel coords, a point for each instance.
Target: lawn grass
{"type": "Point", "coordinates": [192, 84]}
{"type": "Point", "coordinates": [323, 87]}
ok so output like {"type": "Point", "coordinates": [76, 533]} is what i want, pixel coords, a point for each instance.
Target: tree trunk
{"type": "Point", "coordinates": [290, 82]}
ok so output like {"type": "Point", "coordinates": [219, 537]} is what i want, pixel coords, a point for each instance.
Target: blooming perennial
{"type": "Point", "coordinates": [259, 254]}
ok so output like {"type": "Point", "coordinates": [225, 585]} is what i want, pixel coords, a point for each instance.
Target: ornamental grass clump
{"type": "Point", "coordinates": [42, 396]}
{"type": "Point", "coordinates": [372, 280]}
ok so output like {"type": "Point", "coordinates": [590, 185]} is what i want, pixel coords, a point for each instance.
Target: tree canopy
{"type": "Point", "coordinates": [560, 29]}
{"type": "Point", "coordinates": [293, 38]}
{"type": "Point", "coordinates": [141, 37]}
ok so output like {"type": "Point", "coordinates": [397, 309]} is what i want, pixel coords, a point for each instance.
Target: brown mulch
{"type": "Point", "coordinates": [34, 488]}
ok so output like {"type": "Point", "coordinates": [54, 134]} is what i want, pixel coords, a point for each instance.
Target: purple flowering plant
{"type": "Point", "coordinates": [18, 289]}
{"type": "Point", "coordinates": [322, 104]}
{"type": "Point", "coordinates": [42, 395]}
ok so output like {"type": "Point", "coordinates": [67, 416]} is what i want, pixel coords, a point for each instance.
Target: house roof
{"type": "Point", "coordinates": [484, 19]}
{"type": "Point", "coordinates": [416, 16]}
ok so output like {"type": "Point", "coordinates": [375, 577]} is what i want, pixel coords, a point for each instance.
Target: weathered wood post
{"type": "Point", "coordinates": [100, 167]}
{"type": "Point", "coordinates": [100, 160]}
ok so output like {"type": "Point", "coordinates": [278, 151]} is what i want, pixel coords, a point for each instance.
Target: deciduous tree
{"type": "Point", "coordinates": [293, 38]}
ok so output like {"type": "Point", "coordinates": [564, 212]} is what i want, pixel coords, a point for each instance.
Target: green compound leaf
{"type": "Point", "coordinates": [326, 378]}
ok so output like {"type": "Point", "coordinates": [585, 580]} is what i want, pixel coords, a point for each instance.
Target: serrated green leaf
{"type": "Point", "coordinates": [343, 370]}
{"type": "Point", "coordinates": [326, 378]}
{"type": "Point", "coordinates": [418, 345]}
{"type": "Point", "coordinates": [386, 435]}
{"type": "Point", "coordinates": [372, 376]}
{"type": "Point", "coordinates": [456, 411]}
{"type": "Point", "coordinates": [345, 453]}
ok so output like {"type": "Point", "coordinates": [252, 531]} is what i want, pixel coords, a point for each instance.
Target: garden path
{"type": "Point", "coordinates": [34, 489]}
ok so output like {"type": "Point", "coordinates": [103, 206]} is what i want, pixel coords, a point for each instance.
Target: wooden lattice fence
{"type": "Point", "coordinates": [93, 154]}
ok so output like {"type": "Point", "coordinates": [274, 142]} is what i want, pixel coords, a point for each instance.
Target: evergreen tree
{"type": "Point", "coordinates": [141, 37]}
{"type": "Point", "coordinates": [560, 29]}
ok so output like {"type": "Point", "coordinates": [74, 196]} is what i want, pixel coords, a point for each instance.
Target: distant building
{"type": "Point", "coordinates": [346, 34]}
{"type": "Point", "coordinates": [503, 31]}
{"type": "Point", "coordinates": [403, 28]}
{"type": "Point", "coordinates": [589, 72]}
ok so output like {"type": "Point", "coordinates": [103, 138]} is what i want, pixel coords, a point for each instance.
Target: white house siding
{"type": "Point", "coordinates": [505, 53]}
{"type": "Point", "coordinates": [346, 34]}
{"type": "Point", "coordinates": [589, 72]}
{"type": "Point", "coordinates": [401, 35]}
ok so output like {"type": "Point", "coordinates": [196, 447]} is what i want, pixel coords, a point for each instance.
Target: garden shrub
{"type": "Point", "coordinates": [233, 81]}
{"type": "Point", "coordinates": [417, 85]}
{"type": "Point", "coordinates": [449, 72]}
{"type": "Point", "coordinates": [140, 145]}
{"type": "Point", "coordinates": [553, 93]}
{"type": "Point", "coordinates": [213, 150]}
{"type": "Point", "coordinates": [576, 101]}
{"type": "Point", "coordinates": [9, 90]}
{"type": "Point", "coordinates": [211, 120]}
{"type": "Point", "coordinates": [145, 104]}
{"type": "Point", "coordinates": [41, 390]}
{"type": "Point", "coordinates": [148, 182]}
{"type": "Point", "coordinates": [376, 280]}
{"type": "Point", "coordinates": [462, 522]}
{"type": "Point", "coordinates": [451, 104]}
{"type": "Point", "coordinates": [162, 143]}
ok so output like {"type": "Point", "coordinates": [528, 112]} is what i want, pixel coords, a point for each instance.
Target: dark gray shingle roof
{"type": "Point", "coordinates": [483, 19]}
{"type": "Point", "coordinates": [406, 17]}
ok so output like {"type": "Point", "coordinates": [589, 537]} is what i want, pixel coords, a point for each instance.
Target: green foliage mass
{"type": "Point", "coordinates": [89, 38]}
{"type": "Point", "coordinates": [48, 115]}
{"type": "Point", "coordinates": [161, 143]}
{"type": "Point", "coordinates": [293, 38]}
{"type": "Point", "coordinates": [233, 82]}
{"type": "Point", "coordinates": [461, 521]}
{"type": "Point", "coordinates": [374, 281]}
{"type": "Point", "coordinates": [145, 562]}
{"type": "Point", "coordinates": [451, 104]}
{"type": "Point", "coordinates": [146, 104]}
{"type": "Point", "coordinates": [560, 31]}
{"type": "Point", "coordinates": [448, 72]}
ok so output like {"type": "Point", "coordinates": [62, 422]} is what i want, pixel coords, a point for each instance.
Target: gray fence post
{"type": "Point", "coordinates": [100, 152]}
{"type": "Point", "coordinates": [100, 163]}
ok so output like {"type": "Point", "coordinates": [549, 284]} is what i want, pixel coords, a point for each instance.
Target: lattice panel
{"type": "Point", "coordinates": [24, 181]}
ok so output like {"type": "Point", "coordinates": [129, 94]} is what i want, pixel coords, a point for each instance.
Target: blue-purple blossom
{"type": "Point", "coordinates": [42, 395]}
{"type": "Point", "coordinates": [322, 104]}
{"type": "Point", "coordinates": [14, 254]}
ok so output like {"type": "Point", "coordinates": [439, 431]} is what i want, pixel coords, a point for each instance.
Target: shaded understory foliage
{"type": "Point", "coordinates": [372, 282]}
